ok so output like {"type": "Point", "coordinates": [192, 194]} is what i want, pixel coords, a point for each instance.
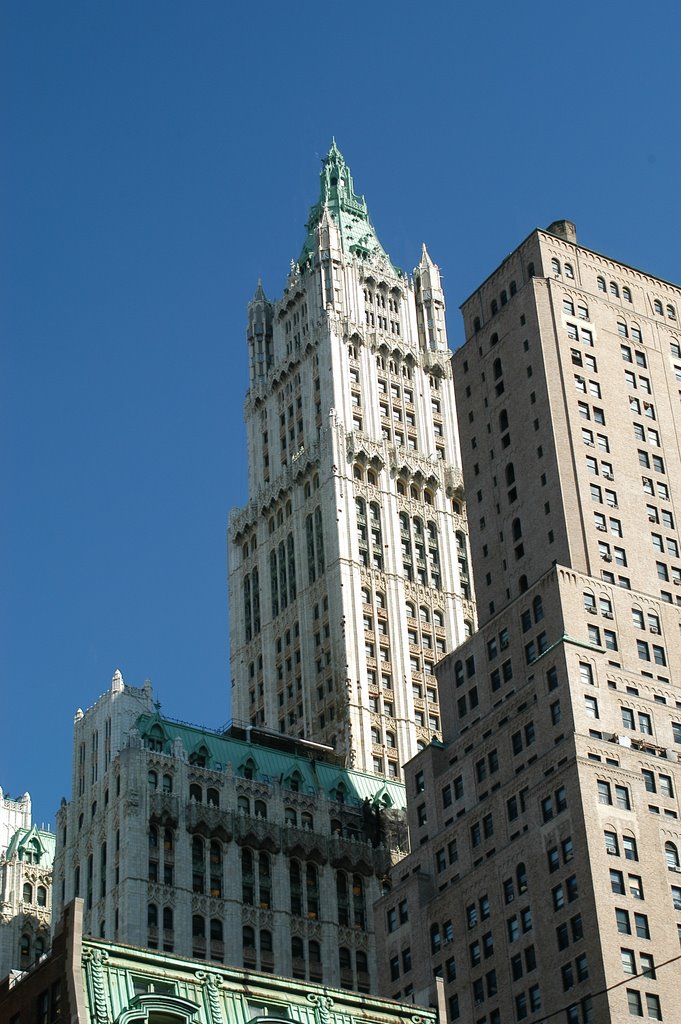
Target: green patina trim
{"type": "Point", "coordinates": [348, 210]}
{"type": "Point", "coordinates": [272, 765]}
{"type": "Point", "coordinates": [567, 639]}
{"type": "Point", "coordinates": [34, 840]}
{"type": "Point", "coordinates": [138, 984]}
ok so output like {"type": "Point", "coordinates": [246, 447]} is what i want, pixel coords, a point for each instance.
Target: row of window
{"type": "Point", "coordinates": [633, 331]}
{"type": "Point", "coordinates": [40, 893]}
{"type": "Point", "coordinates": [668, 309]}
{"type": "Point", "coordinates": [30, 949]}
{"type": "Point", "coordinates": [613, 288]}
{"type": "Point", "coordinates": [258, 948]}
{"type": "Point", "coordinates": [652, 1004]}
{"type": "Point", "coordinates": [605, 469]}
{"type": "Point", "coordinates": [576, 332]}
{"type": "Point", "coordinates": [567, 269]}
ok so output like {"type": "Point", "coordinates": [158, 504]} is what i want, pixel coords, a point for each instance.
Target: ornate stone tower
{"type": "Point", "coordinates": [348, 567]}
{"type": "Point", "coordinates": [26, 854]}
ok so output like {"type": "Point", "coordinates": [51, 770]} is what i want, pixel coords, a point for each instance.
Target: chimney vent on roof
{"type": "Point", "coordinates": [564, 229]}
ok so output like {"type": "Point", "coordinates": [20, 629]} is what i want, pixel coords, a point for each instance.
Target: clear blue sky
{"type": "Point", "coordinates": [155, 159]}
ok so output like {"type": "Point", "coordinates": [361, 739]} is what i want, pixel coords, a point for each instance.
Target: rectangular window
{"type": "Point", "coordinates": [643, 650]}
{"type": "Point", "coordinates": [635, 886]}
{"type": "Point", "coordinates": [629, 847]}
{"type": "Point", "coordinates": [586, 674]}
{"type": "Point", "coordinates": [628, 718]}
{"type": "Point", "coordinates": [622, 798]}
{"type": "Point", "coordinates": [571, 888]}
{"type": "Point", "coordinates": [634, 1002]}
{"type": "Point", "coordinates": [604, 793]}
{"type": "Point", "coordinates": [628, 961]}
{"type": "Point", "coordinates": [617, 882]}
{"type": "Point", "coordinates": [647, 965]}
{"type": "Point", "coordinates": [591, 707]}
{"type": "Point", "coordinates": [666, 788]}
{"type": "Point", "coordinates": [610, 639]}
{"type": "Point", "coordinates": [622, 919]}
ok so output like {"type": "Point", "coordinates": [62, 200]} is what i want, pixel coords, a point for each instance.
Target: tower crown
{"type": "Point", "coordinates": [338, 199]}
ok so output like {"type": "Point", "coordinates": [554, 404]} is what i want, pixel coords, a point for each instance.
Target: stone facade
{"type": "Point", "coordinates": [348, 568]}
{"type": "Point", "coordinates": [91, 981]}
{"type": "Point", "coordinates": [234, 847]}
{"type": "Point", "coordinates": [26, 855]}
{"type": "Point", "coordinates": [545, 877]}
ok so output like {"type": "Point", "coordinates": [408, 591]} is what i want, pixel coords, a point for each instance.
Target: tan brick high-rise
{"type": "Point", "coordinates": [545, 881]}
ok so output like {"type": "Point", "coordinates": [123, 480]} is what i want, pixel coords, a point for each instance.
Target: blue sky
{"type": "Point", "coordinates": [155, 159]}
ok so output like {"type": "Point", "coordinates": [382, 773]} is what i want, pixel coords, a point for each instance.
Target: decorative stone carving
{"type": "Point", "coordinates": [323, 1006]}
{"type": "Point", "coordinates": [97, 959]}
{"type": "Point", "coordinates": [213, 984]}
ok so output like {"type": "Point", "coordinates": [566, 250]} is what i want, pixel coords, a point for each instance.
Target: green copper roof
{"type": "Point", "coordinates": [127, 984]}
{"type": "Point", "coordinates": [273, 765]}
{"type": "Point", "coordinates": [347, 210]}
{"type": "Point", "coordinates": [35, 841]}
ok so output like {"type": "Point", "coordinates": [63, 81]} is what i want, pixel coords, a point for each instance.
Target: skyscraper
{"type": "Point", "coordinates": [348, 566]}
{"type": "Point", "coordinates": [546, 872]}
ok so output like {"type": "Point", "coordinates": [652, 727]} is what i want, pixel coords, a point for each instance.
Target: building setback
{"type": "Point", "coordinates": [348, 567]}
{"type": "Point", "coordinates": [87, 981]}
{"type": "Point", "coordinates": [233, 847]}
{"type": "Point", "coordinates": [544, 879]}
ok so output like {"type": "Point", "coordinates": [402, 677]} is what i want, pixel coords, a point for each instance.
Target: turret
{"type": "Point", "coordinates": [259, 335]}
{"type": "Point", "coordinates": [430, 304]}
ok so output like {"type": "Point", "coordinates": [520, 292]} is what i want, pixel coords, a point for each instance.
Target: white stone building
{"type": "Point", "coordinates": [26, 854]}
{"type": "Point", "coordinates": [348, 567]}
{"type": "Point", "coordinates": [240, 847]}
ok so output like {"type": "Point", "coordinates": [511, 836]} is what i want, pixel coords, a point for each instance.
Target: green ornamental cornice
{"type": "Point", "coordinates": [348, 211]}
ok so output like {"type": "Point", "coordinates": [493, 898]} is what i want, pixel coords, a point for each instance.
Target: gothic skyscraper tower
{"type": "Point", "coordinates": [348, 570]}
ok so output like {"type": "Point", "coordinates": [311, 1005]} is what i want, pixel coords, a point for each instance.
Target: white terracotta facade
{"type": "Point", "coordinates": [348, 568]}
{"type": "Point", "coordinates": [241, 848]}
